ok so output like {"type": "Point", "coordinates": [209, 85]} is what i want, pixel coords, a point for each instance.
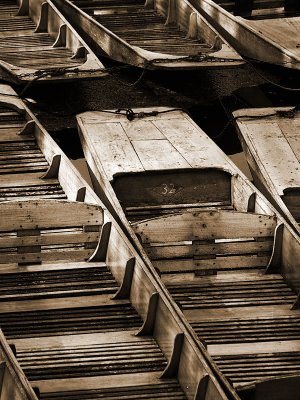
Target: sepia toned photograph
{"type": "Point", "coordinates": [149, 199]}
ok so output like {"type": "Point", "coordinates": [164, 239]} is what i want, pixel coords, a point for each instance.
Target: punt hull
{"type": "Point", "coordinates": [37, 44]}
{"type": "Point", "coordinates": [269, 139]}
{"type": "Point", "coordinates": [69, 256]}
{"type": "Point", "coordinates": [220, 265]}
{"type": "Point", "coordinates": [215, 51]}
{"type": "Point", "coordinates": [246, 35]}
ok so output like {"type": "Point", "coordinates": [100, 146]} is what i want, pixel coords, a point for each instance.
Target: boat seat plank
{"type": "Point", "coordinates": [108, 354]}
{"type": "Point", "coordinates": [26, 179]}
{"type": "Point", "coordinates": [205, 225]}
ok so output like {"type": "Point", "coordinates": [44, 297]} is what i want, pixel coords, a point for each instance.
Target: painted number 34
{"type": "Point", "coordinates": [168, 188]}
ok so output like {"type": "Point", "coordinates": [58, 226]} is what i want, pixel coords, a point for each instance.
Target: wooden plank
{"type": "Point", "coordinates": [110, 142]}
{"type": "Point", "coordinates": [255, 348]}
{"type": "Point", "coordinates": [48, 214]}
{"type": "Point", "coordinates": [275, 157]}
{"type": "Point", "coordinates": [214, 314]}
{"type": "Point", "coordinates": [158, 252]}
{"type": "Point", "coordinates": [158, 154]}
{"type": "Point", "coordinates": [215, 264]}
{"type": "Point", "coordinates": [168, 188]}
{"type": "Point", "coordinates": [63, 341]}
{"type": "Point", "coordinates": [290, 129]}
{"type": "Point", "coordinates": [192, 143]}
{"type": "Point", "coordinates": [59, 303]}
{"type": "Point", "coordinates": [15, 268]}
{"type": "Point", "coordinates": [141, 129]}
{"type": "Point", "coordinates": [61, 254]}
{"type": "Point", "coordinates": [204, 225]}
{"type": "Point", "coordinates": [281, 33]}
{"type": "Point", "coordinates": [46, 239]}
{"type": "Point", "coordinates": [95, 382]}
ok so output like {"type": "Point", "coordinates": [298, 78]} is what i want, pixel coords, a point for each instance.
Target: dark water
{"type": "Point", "coordinates": [209, 97]}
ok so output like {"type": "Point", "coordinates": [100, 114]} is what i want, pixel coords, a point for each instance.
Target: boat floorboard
{"type": "Point", "coordinates": [145, 29]}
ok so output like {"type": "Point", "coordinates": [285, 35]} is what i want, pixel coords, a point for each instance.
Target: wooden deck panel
{"type": "Point", "coordinates": [270, 141]}
{"type": "Point", "coordinates": [284, 32]}
{"type": "Point", "coordinates": [165, 159]}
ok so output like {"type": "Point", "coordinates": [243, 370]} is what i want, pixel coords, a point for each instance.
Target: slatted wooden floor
{"type": "Point", "coordinates": [142, 28]}
{"type": "Point", "coordinates": [22, 164]}
{"type": "Point", "coordinates": [22, 47]}
{"type": "Point", "coordinates": [244, 317]}
{"type": "Point", "coordinates": [84, 335]}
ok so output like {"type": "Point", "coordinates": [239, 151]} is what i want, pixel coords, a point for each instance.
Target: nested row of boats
{"type": "Point", "coordinates": [38, 40]}
{"type": "Point", "coordinates": [172, 278]}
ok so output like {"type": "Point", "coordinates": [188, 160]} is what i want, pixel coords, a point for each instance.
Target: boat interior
{"type": "Point", "coordinates": [88, 318]}
{"type": "Point", "coordinates": [159, 26]}
{"type": "Point", "coordinates": [235, 277]}
{"type": "Point", "coordinates": [35, 38]}
{"type": "Point", "coordinates": [261, 9]}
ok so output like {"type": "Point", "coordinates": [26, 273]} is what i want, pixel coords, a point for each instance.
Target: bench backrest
{"type": "Point", "coordinates": [48, 230]}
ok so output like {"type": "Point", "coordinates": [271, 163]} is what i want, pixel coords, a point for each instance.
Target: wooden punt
{"type": "Point", "coordinates": [264, 30]}
{"type": "Point", "coordinates": [151, 34]}
{"type": "Point", "coordinates": [38, 44]}
{"type": "Point", "coordinates": [269, 137]}
{"type": "Point", "coordinates": [85, 316]}
{"type": "Point", "coordinates": [230, 263]}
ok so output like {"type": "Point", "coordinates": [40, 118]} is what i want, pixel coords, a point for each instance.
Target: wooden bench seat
{"type": "Point", "coordinates": [53, 230]}
{"type": "Point", "coordinates": [207, 241]}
